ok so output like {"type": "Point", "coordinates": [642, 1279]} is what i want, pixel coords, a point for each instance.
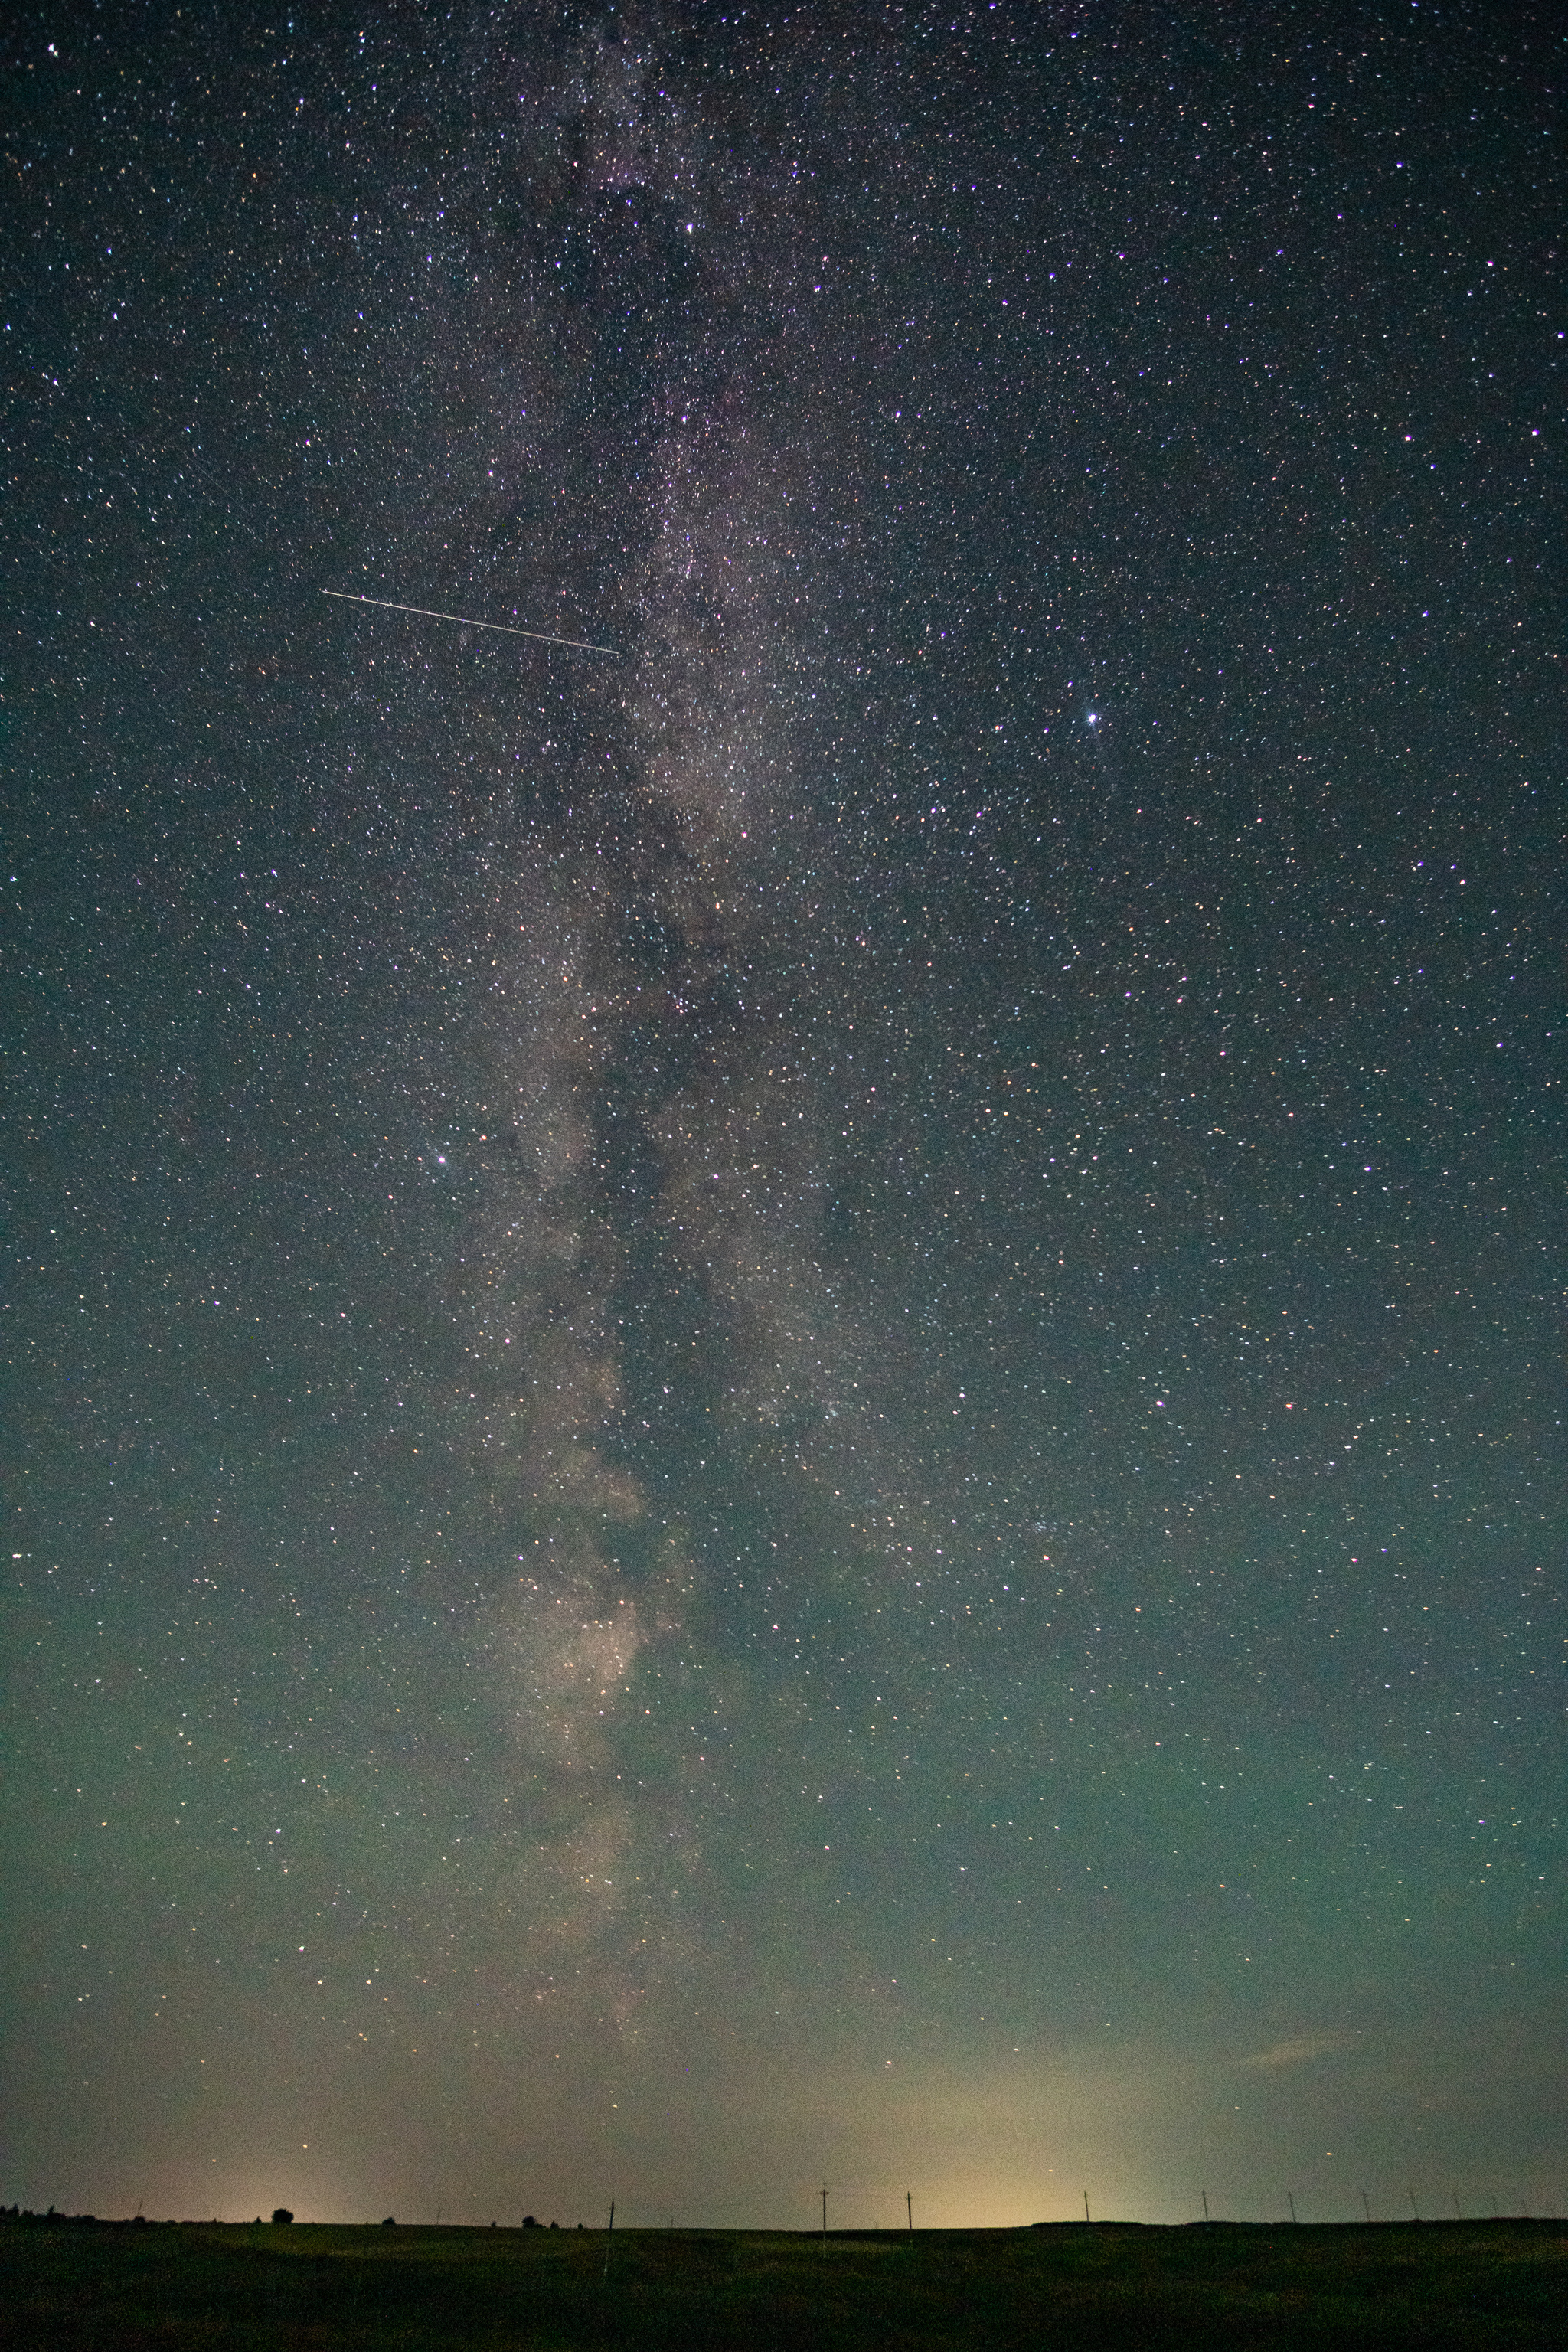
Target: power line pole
{"type": "Point", "coordinates": [1366, 2208]}
{"type": "Point", "coordinates": [824, 2216]}
{"type": "Point", "coordinates": [1291, 2202]}
{"type": "Point", "coordinates": [1086, 2204]}
{"type": "Point", "coordinates": [608, 2235]}
{"type": "Point", "coordinates": [1205, 2195]}
{"type": "Point", "coordinates": [910, 2209]}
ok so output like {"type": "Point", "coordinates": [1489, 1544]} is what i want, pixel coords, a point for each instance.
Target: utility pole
{"type": "Point", "coordinates": [910, 2209]}
{"type": "Point", "coordinates": [1413, 2208]}
{"type": "Point", "coordinates": [1458, 2215]}
{"type": "Point", "coordinates": [1366, 2208]}
{"type": "Point", "coordinates": [824, 2216]}
{"type": "Point", "coordinates": [608, 2235]}
{"type": "Point", "coordinates": [1291, 2202]}
{"type": "Point", "coordinates": [1086, 2204]}
{"type": "Point", "coordinates": [1205, 2195]}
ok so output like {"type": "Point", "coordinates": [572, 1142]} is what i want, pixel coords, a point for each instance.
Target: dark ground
{"type": "Point", "coordinates": [178, 2286]}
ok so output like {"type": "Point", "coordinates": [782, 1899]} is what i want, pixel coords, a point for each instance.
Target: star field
{"type": "Point", "coordinates": [785, 1405]}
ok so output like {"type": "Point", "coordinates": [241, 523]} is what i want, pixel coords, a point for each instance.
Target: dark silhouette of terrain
{"type": "Point", "coordinates": [1473, 2287]}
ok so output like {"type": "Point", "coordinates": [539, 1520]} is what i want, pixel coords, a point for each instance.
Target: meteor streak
{"type": "Point", "coordinates": [466, 621]}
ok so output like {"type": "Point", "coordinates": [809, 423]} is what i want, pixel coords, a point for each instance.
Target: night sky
{"type": "Point", "coordinates": [784, 1405]}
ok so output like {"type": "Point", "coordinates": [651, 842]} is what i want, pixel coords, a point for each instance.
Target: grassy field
{"type": "Point", "coordinates": [116, 2287]}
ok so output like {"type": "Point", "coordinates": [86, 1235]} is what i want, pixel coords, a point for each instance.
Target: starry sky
{"type": "Point", "coordinates": [781, 1393]}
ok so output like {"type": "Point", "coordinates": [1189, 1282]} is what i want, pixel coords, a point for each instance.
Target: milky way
{"type": "Point", "coordinates": [663, 947]}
